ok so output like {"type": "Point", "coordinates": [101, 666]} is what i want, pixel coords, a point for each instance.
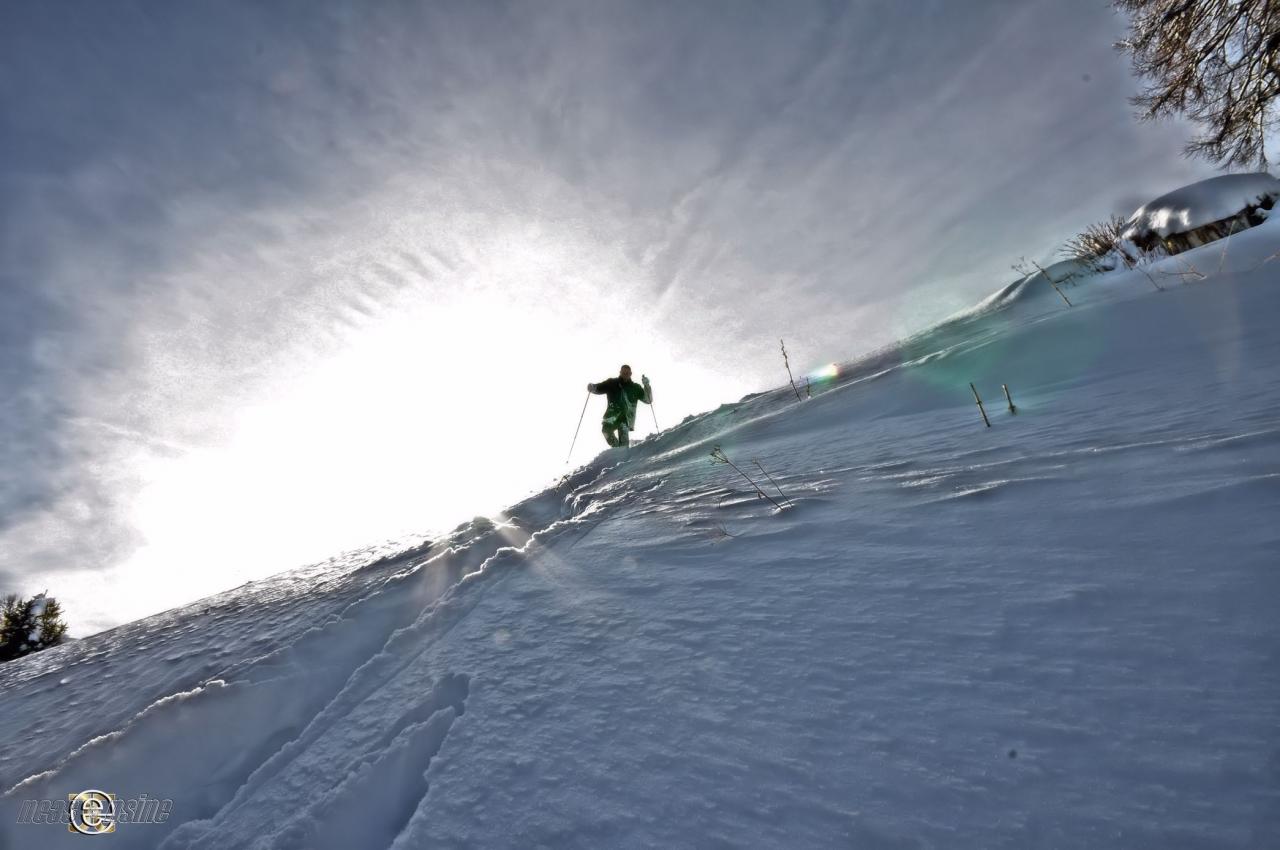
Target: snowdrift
{"type": "Point", "coordinates": [1201, 203]}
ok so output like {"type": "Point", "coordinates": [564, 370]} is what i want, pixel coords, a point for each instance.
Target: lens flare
{"type": "Point", "coordinates": [826, 373]}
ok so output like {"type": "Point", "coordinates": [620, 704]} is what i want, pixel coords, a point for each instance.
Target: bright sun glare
{"type": "Point", "coordinates": [440, 408]}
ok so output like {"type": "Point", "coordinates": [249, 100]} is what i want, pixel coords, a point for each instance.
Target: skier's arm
{"type": "Point", "coordinates": [600, 388]}
{"type": "Point", "coordinates": [647, 398]}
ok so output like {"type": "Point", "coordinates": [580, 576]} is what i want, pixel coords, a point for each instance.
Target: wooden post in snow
{"type": "Point", "coordinates": [981, 409]}
{"type": "Point", "coordinates": [1052, 282]}
{"type": "Point", "coordinates": [790, 377]}
{"type": "Point", "coordinates": [1008, 398]}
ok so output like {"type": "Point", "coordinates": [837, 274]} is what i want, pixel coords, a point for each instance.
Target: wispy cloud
{"type": "Point", "coordinates": [204, 208]}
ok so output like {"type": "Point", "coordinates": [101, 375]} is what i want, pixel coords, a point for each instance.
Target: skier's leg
{"type": "Point", "coordinates": [607, 429]}
{"type": "Point", "coordinates": [624, 435]}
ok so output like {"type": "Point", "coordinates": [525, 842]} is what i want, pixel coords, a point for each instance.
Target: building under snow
{"type": "Point", "coordinates": [1203, 212]}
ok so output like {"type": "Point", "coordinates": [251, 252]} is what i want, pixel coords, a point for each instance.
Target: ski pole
{"type": "Point", "coordinates": [579, 428]}
{"type": "Point", "coordinates": [651, 410]}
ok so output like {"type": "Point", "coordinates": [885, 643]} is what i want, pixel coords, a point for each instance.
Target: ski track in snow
{"type": "Point", "coordinates": [1055, 632]}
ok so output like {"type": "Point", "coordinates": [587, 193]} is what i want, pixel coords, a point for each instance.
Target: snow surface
{"type": "Point", "coordinates": [1201, 203]}
{"type": "Point", "coordinates": [1059, 631]}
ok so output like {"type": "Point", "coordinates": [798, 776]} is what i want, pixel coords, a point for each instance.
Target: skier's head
{"type": "Point", "coordinates": [625, 372]}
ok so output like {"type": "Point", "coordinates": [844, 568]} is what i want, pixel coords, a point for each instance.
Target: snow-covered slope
{"type": "Point", "coordinates": [1059, 631]}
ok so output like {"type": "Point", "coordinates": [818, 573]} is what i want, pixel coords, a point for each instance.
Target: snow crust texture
{"type": "Point", "coordinates": [1058, 631]}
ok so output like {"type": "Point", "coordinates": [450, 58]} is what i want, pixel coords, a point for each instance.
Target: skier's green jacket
{"type": "Point", "coordinates": [623, 397]}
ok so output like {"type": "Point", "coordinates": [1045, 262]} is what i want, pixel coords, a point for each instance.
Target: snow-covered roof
{"type": "Point", "coordinates": [1201, 203]}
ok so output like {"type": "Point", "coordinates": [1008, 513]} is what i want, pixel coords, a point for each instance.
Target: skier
{"type": "Point", "coordinates": [620, 415]}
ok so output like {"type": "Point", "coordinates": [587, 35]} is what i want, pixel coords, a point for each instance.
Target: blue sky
{"type": "Point", "coordinates": [278, 279]}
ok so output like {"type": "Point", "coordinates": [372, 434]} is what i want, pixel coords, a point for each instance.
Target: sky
{"type": "Point", "coordinates": [279, 280]}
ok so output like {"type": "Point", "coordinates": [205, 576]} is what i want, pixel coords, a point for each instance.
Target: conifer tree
{"type": "Point", "coordinates": [29, 625]}
{"type": "Point", "coordinates": [52, 628]}
{"type": "Point", "coordinates": [18, 624]}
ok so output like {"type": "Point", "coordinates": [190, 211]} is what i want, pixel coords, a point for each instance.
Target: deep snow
{"type": "Point", "coordinates": [1058, 631]}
